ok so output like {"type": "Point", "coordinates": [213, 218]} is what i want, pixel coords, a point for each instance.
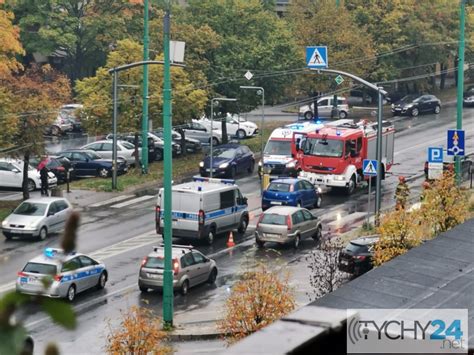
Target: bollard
{"type": "Point", "coordinates": [265, 181]}
{"type": "Point", "coordinates": [68, 174]}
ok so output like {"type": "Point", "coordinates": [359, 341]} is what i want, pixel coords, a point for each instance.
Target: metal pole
{"type": "Point", "coordinates": [368, 203]}
{"type": "Point", "coordinates": [114, 132]}
{"type": "Point", "coordinates": [460, 87]}
{"type": "Point", "coordinates": [145, 91]}
{"type": "Point", "coordinates": [378, 195]}
{"type": "Point", "coordinates": [261, 133]}
{"type": "Point", "coordinates": [168, 174]}
{"type": "Point", "coordinates": [212, 140]}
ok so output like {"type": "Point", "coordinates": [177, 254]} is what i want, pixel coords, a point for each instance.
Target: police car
{"type": "Point", "coordinates": [69, 274]}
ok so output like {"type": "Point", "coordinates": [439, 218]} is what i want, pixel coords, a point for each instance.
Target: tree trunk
{"type": "Point", "coordinates": [315, 104]}
{"type": "Point", "coordinates": [224, 131]}
{"type": "Point", "coordinates": [24, 186]}
{"type": "Point", "coordinates": [137, 157]}
{"type": "Point", "coordinates": [442, 81]}
{"type": "Point", "coordinates": [182, 142]}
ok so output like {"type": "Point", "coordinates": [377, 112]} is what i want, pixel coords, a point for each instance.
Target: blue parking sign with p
{"type": "Point", "coordinates": [435, 155]}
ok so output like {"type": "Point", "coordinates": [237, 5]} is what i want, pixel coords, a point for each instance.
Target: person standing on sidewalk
{"type": "Point", "coordinates": [44, 180]}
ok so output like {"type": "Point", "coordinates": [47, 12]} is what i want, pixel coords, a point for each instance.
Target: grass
{"type": "Point", "coordinates": [182, 167]}
{"type": "Point", "coordinates": [6, 208]}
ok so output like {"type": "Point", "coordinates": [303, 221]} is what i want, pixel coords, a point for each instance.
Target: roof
{"type": "Point", "coordinates": [45, 199]}
{"type": "Point", "coordinates": [176, 250]}
{"type": "Point", "coordinates": [199, 187]}
{"type": "Point", "coordinates": [437, 274]}
{"type": "Point", "coordinates": [53, 260]}
{"type": "Point", "coordinates": [287, 131]}
{"type": "Point", "coordinates": [286, 181]}
{"type": "Point", "coordinates": [366, 240]}
{"type": "Point", "coordinates": [282, 210]}
{"type": "Point", "coordinates": [339, 131]}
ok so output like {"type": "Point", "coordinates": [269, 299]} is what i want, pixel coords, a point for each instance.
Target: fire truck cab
{"type": "Point", "coordinates": [333, 155]}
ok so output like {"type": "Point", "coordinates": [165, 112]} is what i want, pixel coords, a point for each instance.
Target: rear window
{"type": "Point", "coordinates": [357, 248]}
{"type": "Point", "coordinates": [277, 219]}
{"type": "Point", "coordinates": [278, 186]}
{"type": "Point", "coordinates": [38, 268]}
{"type": "Point", "coordinates": [155, 263]}
{"type": "Point", "coordinates": [128, 145]}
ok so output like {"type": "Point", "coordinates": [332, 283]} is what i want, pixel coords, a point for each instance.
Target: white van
{"type": "Point", "coordinates": [277, 159]}
{"type": "Point", "coordinates": [204, 208]}
{"type": "Point", "coordinates": [325, 106]}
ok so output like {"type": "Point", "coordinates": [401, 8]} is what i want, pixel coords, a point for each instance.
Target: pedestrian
{"type": "Point", "coordinates": [44, 180]}
{"type": "Point", "coordinates": [401, 193]}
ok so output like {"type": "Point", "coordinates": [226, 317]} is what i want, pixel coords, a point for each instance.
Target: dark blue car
{"type": "Point", "coordinates": [88, 163]}
{"type": "Point", "coordinates": [291, 192]}
{"type": "Point", "coordinates": [228, 160]}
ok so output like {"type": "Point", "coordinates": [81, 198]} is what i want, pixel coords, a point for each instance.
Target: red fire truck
{"type": "Point", "coordinates": [333, 155]}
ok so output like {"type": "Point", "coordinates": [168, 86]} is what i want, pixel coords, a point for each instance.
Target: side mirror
{"type": "Point", "coordinates": [51, 213]}
{"type": "Point", "coordinates": [16, 171]}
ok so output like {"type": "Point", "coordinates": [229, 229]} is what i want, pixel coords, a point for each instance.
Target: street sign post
{"type": "Point", "coordinates": [369, 168]}
{"type": "Point", "coordinates": [456, 142]}
{"type": "Point", "coordinates": [435, 163]}
{"type": "Point", "coordinates": [317, 57]}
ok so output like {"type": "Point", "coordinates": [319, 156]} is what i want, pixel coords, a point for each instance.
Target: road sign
{"type": "Point", "coordinates": [339, 80]}
{"type": "Point", "coordinates": [248, 75]}
{"type": "Point", "coordinates": [317, 57]}
{"type": "Point", "coordinates": [456, 142]}
{"type": "Point", "coordinates": [435, 170]}
{"type": "Point", "coordinates": [435, 155]}
{"type": "Point", "coordinates": [370, 167]}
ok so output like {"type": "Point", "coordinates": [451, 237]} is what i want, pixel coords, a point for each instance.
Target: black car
{"type": "Point", "coordinates": [88, 163]}
{"type": "Point", "coordinates": [58, 166]}
{"type": "Point", "coordinates": [160, 145]}
{"type": "Point", "coordinates": [228, 160]}
{"type": "Point", "coordinates": [413, 105]}
{"type": "Point", "coordinates": [468, 97]}
{"type": "Point", "coordinates": [356, 257]}
{"type": "Point", "coordinates": [192, 145]}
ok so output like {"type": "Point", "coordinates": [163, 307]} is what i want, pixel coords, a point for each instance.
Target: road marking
{"type": "Point", "coordinates": [112, 200]}
{"type": "Point", "coordinates": [7, 287]}
{"type": "Point", "coordinates": [135, 200]}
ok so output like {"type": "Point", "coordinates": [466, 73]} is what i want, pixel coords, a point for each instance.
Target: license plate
{"type": "Point", "coordinates": [154, 276]}
{"type": "Point", "coordinates": [398, 109]}
{"type": "Point", "coordinates": [275, 202]}
{"type": "Point", "coordinates": [344, 262]}
{"type": "Point", "coordinates": [213, 170]}
{"type": "Point", "coordinates": [271, 235]}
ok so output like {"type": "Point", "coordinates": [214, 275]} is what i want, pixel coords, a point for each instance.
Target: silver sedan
{"type": "Point", "coordinates": [37, 217]}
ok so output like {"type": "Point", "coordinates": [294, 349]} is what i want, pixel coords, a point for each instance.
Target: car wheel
{"type": "Point", "coordinates": [296, 242]}
{"type": "Point", "coordinates": [342, 114]}
{"type": "Point", "coordinates": [43, 233]}
{"type": "Point", "coordinates": [159, 155]}
{"type": "Point", "coordinates": [318, 202]}
{"type": "Point", "coordinates": [212, 276]}
{"type": "Point", "coordinates": [103, 173]}
{"type": "Point", "coordinates": [31, 185]}
{"type": "Point", "coordinates": [210, 237]}
{"type": "Point", "coordinates": [308, 115]}
{"type": "Point", "coordinates": [243, 225]}
{"type": "Point", "coordinates": [215, 141]}
{"type": "Point", "coordinates": [318, 235]}
{"type": "Point", "coordinates": [351, 186]}
{"type": "Point", "coordinates": [143, 288]}
{"type": "Point", "coordinates": [437, 109]}
{"type": "Point", "coordinates": [184, 288]}
{"type": "Point", "coordinates": [71, 293]}
{"type": "Point", "coordinates": [55, 131]}
{"type": "Point", "coordinates": [251, 167]}
{"type": "Point", "coordinates": [415, 112]}
{"type": "Point", "coordinates": [241, 134]}
{"type": "Point", "coordinates": [259, 243]}
{"type": "Point", "coordinates": [102, 281]}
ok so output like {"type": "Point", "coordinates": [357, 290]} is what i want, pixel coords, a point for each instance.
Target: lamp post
{"type": "Point", "coordinates": [262, 91]}
{"type": "Point", "coordinates": [460, 86]}
{"type": "Point", "coordinates": [145, 90]}
{"type": "Point", "coordinates": [212, 129]}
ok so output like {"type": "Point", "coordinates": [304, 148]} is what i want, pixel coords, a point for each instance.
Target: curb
{"type": "Point", "coordinates": [184, 336]}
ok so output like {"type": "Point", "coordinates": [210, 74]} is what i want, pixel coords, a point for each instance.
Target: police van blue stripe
{"type": "Point", "coordinates": [82, 274]}
{"type": "Point", "coordinates": [209, 215]}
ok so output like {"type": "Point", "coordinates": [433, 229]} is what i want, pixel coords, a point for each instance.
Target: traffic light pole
{"type": "Point", "coordinates": [145, 90]}
{"type": "Point", "coordinates": [460, 86]}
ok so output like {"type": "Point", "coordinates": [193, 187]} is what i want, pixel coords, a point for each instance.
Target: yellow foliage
{"type": "Point", "coordinates": [139, 333]}
{"type": "Point", "coordinates": [10, 44]}
{"type": "Point", "coordinates": [257, 300]}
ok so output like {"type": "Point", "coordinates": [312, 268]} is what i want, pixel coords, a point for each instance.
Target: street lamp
{"type": "Point", "coordinates": [212, 127]}
{"type": "Point", "coordinates": [261, 91]}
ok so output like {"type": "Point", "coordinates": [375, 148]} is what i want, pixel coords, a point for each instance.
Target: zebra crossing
{"type": "Point", "coordinates": [131, 201]}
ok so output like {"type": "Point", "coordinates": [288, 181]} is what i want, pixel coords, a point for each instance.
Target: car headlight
{"type": "Point", "coordinates": [320, 190]}
{"type": "Point", "coordinates": [393, 105]}
{"type": "Point", "coordinates": [290, 165]}
{"type": "Point", "coordinates": [339, 177]}
{"type": "Point", "coordinates": [4, 223]}
{"type": "Point", "coordinates": [260, 163]}
{"type": "Point", "coordinates": [201, 164]}
{"type": "Point", "coordinates": [409, 106]}
{"type": "Point", "coordinates": [223, 165]}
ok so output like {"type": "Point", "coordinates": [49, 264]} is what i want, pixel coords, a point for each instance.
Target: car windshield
{"type": "Point", "coordinates": [323, 147]}
{"type": "Point", "coordinates": [127, 145]}
{"type": "Point", "coordinates": [272, 218]}
{"type": "Point", "coordinates": [31, 209]}
{"type": "Point", "coordinates": [93, 156]}
{"type": "Point", "coordinates": [38, 268]}
{"type": "Point", "coordinates": [410, 98]}
{"type": "Point", "coordinates": [223, 153]}
{"type": "Point", "coordinates": [155, 263]}
{"type": "Point", "coordinates": [274, 147]}
{"type": "Point", "coordinates": [356, 248]}
{"type": "Point", "coordinates": [278, 186]}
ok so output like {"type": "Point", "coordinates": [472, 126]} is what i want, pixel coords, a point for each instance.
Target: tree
{"type": "Point", "coordinates": [10, 45]}
{"type": "Point", "coordinates": [139, 333]}
{"type": "Point", "coordinates": [259, 298]}
{"type": "Point", "coordinates": [325, 276]}
{"type": "Point", "coordinates": [95, 93]}
{"type": "Point", "coordinates": [444, 205]}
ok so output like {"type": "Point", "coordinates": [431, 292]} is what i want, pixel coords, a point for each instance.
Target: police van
{"type": "Point", "coordinates": [203, 208]}
{"type": "Point", "coordinates": [277, 159]}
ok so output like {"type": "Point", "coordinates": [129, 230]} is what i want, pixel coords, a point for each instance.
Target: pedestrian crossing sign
{"type": "Point", "coordinates": [369, 167]}
{"type": "Point", "coordinates": [317, 57]}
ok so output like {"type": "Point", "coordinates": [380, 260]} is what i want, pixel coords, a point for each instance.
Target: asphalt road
{"type": "Point", "coordinates": [122, 236]}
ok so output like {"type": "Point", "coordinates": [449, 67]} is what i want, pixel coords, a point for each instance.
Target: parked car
{"type": "Point", "coordinates": [356, 257]}
{"type": "Point", "coordinates": [287, 224]}
{"type": "Point", "coordinates": [37, 217]}
{"type": "Point", "coordinates": [358, 98]}
{"type": "Point", "coordinates": [325, 107]}
{"type": "Point", "coordinates": [228, 160]}
{"type": "Point", "coordinates": [88, 163]}
{"type": "Point", "coordinates": [468, 97]}
{"type": "Point", "coordinates": [196, 130]}
{"type": "Point", "coordinates": [236, 126]}
{"type": "Point", "coordinates": [58, 166]}
{"type": "Point", "coordinates": [11, 175]}
{"type": "Point", "coordinates": [291, 192]}
{"type": "Point", "coordinates": [61, 125]}
{"type": "Point", "coordinates": [125, 150]}
{"type": "Point", "coordinates": [413, 105]}
{"type": "Point", "coordinates": [190, 268]}
{"type": "Point", "coordinates": [70, 274]}
{"type": "Point", "coordinates": [153, 153]}
{"type": "Point", "coordinates": [72, 113]}
{"type": "Point", "coordinates": [448, 160]}
{"type": "Point", "coordinates": [160, 145]}
{"type": "Point", "coordinates": [192, 145]}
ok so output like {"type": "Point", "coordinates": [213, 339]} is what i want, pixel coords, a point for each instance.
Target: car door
{"type": "Point", "coordinates": [324, 108]}
{"type": "Point", "coordinates": [190, 268]}
{"type": "Point", "coordinates": [300, 223]}
{"type": "Point", "coordinates": [247, 157]}
{"type": "Point", "coordinates": [309, 193]}
{"type": "Point", "coordinates": [88, 272]}
{"type": "Point", "coordinates": [105, 150]}
{"type": "Point", "coordinates": [63, 213]}
{"type": "Point", "coordinates": [202, 268]}
{"type": "Point", "coordinates": [424, 104]}
{"type": "Point", "coordinates": [52, 220]}
{"type": "Point", "coordinates": [72, 268]}
{"type": "Point", "coordinates": [310, 222]}
{"type": "Point", "coordinates": [8, 175]}
{"type": "Point", "coordinates": [201, 132]}
{"type": "Point", "coordinates": [239, 160]}
{"type": "Point", "coordinates": [301, 191]}
{"type": "Point", "coordinates": [82, 166]}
